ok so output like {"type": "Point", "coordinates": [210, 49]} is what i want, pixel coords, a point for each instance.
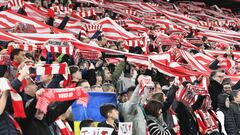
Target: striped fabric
{"type": "Point", "coordinates": [154, 129]}
{"type": "Point", "coordinates": [13, 3]}
{"type": "Point", "coordinates": [60, 49]}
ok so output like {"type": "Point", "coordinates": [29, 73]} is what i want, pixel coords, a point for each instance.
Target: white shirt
{"type": "Point", "coordinates": [221, 118]}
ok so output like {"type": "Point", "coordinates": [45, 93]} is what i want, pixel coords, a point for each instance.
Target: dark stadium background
{"type": "Point", "coordinates": [233, 4]}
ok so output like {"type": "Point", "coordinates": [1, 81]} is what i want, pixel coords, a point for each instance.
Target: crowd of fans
{"type": "Point", "coordinates": [163, 106]}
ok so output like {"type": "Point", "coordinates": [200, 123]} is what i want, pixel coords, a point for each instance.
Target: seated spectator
{"type": "Point", "coordinates": [110, 112]}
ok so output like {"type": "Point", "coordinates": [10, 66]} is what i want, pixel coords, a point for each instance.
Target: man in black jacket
{"type": "Point", "coordinates": [38, 124]}
{"type": "Point", "coordinates": [235, 107]}
{"type": "Point", "coordinates": [215, 87]}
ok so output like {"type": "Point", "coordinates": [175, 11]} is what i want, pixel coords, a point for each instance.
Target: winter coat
{"type": "Point", "coordinates": [225, 116]}
{"type": "Point", "coordinates": [156, 128]}
{"type": "Point", "coordinates": [236, 113]}
{"type": "Point", "coordinates": [33, 126]}
{"type": "Point", "coordinates": [215, 88]}
{"type": "Point", "coordinates": [132, 112]}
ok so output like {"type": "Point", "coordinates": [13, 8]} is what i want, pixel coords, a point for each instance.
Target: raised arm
{"type": "Point", "coordinates": [170, 98]}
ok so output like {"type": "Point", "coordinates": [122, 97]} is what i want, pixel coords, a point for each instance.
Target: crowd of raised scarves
{"type": "Point", "coordinates": [111, 43]}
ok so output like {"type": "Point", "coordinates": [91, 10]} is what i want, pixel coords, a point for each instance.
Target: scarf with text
{"type": "Point", "coordinates": [62, 94]}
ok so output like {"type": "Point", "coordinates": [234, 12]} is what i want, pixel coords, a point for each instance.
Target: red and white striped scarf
{"type": "Point", "coordinates": [60, 49]}
{"type": "Point", "coordinates": [131, 12]}
{"type": "Point", "coordinates": [88, 13]}
{"type": "Point", "coordinates": [62, 94]}
{"type": "Point", "coordinates": [50, 69]}
{"type": "Point", "coordinates": [24, 47]}
{"type": "Point", "coordinates": [59, 9]}
{"type": "Point", "coordinates": [64, 127]}
{"type": "Point", "coordinates": [175, 120]}
{"type": "Point", "coordinates": [17, 102]}
{"type": "Point", "coordinates": [188, 96]}
{"type": "Point", "coordinates": [13, 3]}
{"type": "Point", "coordinates": [93, 27]}
{"type": "Point", "coordinates": [206, 121]}
{"type": "Point", "coordinates": [134, 43]}
{"type": "Point", "coordinates": [15, 124]}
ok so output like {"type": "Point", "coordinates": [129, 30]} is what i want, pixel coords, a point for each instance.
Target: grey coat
{"type": "Point", "coordinates": [132, 112]}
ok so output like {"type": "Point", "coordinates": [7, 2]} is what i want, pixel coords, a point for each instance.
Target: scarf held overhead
{"type": "Point", "coordinates": [64, 94]}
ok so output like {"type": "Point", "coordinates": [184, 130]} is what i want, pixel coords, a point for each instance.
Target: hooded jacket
{"type": "Point", "coordinates": [225, 115]}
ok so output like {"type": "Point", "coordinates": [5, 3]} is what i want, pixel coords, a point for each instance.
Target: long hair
{"type": "Point", "coordinates": [152, 108]}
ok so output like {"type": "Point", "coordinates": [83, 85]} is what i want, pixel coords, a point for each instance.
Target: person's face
{"type": "Point", "coordinates": [30, 88]}
{"type": "Point", "coordinates": [39, 115]}
{"type": "Point", "coordinates": [158, 88]}
{"type": "Point", "coordinates": [114, 114]}
{"type": "Point", "coordinates": [98, 89]}
{"type": "Point", "coordinates": [227, 103]}
{"type": "Point", "coordinates": [121, 45]}
{"type": "Point", "coordinates": [99, 80]}
{"type": "Point", "coordinates": [107, 75]}
{"type": "Point", "coordinates": [93, 125]}
{"type": "Point", "coordinates": [45, 78]}
{"type": "Point", "coordinates": [86, 86]}
{"type": "Point", "coordinates": [45, 4]}
{"type": "Point", "coordinates": [158, 42]}
{"type": "Point", "coordinates": [77, 75]}
{"type": "Point", "coordinates": [20, 57]}
{"type": "Point", "coordinates": [157, 28]}
{"type": "Point", "coordinates": [237, 99]}
{"type": "Point", "coordinates": [84, 65]}
{"type": "Point", "coordinates": [124, 98]}
{"type": "Point", "coordinates": [227, 88]}
{"type": "Point", "coordinates": [132, 71]}
{"type": "Point", "coordinates": [129, 94]}
{"type": "Point", "coordinates": [67, 113]}
{"type": "Point", "coordinates": [209, 105]}
{"type": "Point", "coordinates": [219, 77]}
{"type": "Point", "coordinates": [114, 47]}
{"type": "Point", "coordinates": [103, 42]}
{"type": "Point", "coordinates": [160, 112]}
